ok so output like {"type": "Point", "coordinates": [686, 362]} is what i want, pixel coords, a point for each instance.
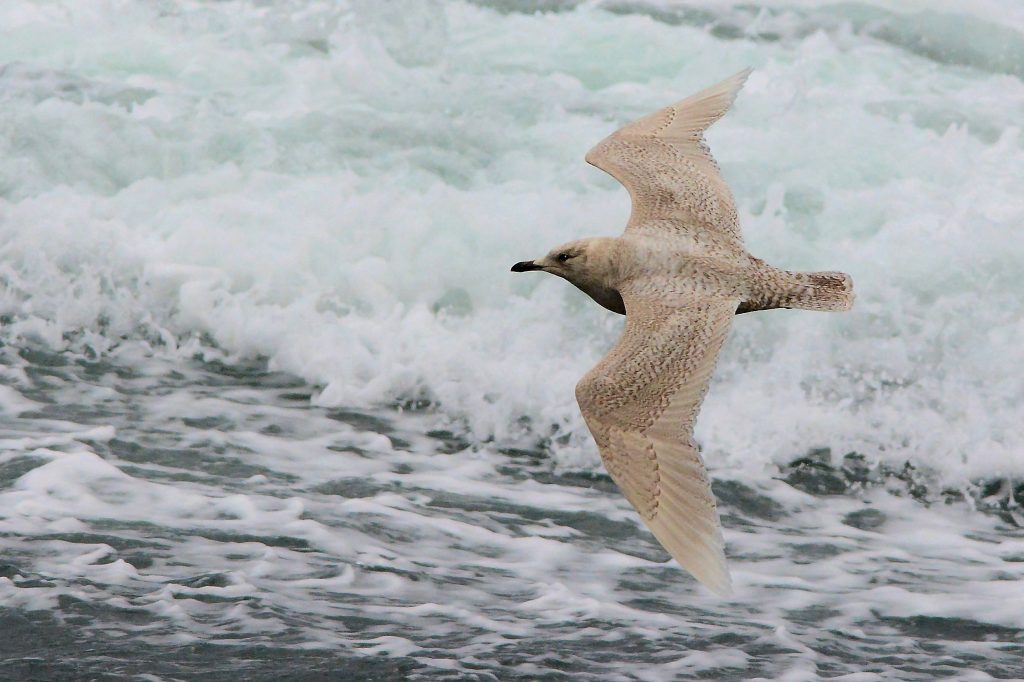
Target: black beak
{"type": "Point", "coordinates": [526, 266]}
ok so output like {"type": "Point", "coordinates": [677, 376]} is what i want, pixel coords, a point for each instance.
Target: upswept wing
{"type": "Point", "coordinates": [640, 403]}
{"type": "Point", "coordinates": [663, 161]}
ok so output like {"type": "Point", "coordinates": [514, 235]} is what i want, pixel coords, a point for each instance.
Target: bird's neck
{"type": "Point", "coordinates": [605, 257]}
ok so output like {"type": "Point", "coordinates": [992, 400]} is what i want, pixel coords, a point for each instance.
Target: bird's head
{"type": "Point", "coordinates": [581, 261]}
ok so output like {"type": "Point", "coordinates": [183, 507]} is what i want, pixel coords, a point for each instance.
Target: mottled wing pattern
{"type": "Point", "coordinates": [674, 183]}
{"type": "Point", "coordinates": [641, 401]}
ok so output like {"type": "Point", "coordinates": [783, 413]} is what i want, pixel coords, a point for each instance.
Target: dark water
{"type": "Point", "coordinates": [272, 406]}
{"type": "Point", "coordinates": [185, 520]}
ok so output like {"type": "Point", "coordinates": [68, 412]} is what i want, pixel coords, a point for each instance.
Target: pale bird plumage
{"type": "Point", "coordinates": [679, 273]}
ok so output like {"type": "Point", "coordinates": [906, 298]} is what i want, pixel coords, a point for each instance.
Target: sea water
{"type": "Point", "coordinates": [274, 408]}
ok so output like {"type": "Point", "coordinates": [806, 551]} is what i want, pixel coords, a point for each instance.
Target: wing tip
{"type": "Point", "coordinates": [739, 79]}
{"type": "Point", "coordinates": [695, 114]}
{"type": "Point", "coordinates": [721, 585]}
{"type": "Point", "coordinates": [741, 76]}
{"type": "Point", "coordinates": [728, 88]}
{"type": "Point", "coordinates": [713, 575]}
{"type": "Point", "coordinates": [703, 558]}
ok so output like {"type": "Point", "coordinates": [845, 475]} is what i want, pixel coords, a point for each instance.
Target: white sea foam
{"type": "Point", "coordinates": [370, 253]}
{"type": "Point", "coordinates": [340, 188]}
{"type": "Point", "coordinates": [358, 231]}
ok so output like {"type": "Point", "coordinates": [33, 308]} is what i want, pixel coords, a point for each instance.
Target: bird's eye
{"type": "Point", "coordinates": [562, 257]}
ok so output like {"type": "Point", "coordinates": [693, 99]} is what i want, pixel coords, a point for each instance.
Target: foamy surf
{"type": "Point", "coordinates": [266, 378]}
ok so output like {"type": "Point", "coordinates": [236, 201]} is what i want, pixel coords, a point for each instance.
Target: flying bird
{"type": "Point", "coordinates": [679, 273]}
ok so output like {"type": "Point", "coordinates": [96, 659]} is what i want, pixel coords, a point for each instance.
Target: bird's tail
{"type": "Point", "coordinates": [817, 291]}
{"type": "Point", "coordinates": [829, 291]}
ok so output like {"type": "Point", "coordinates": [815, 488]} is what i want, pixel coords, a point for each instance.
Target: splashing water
{"type": "Point", "coordinates": [268, 383]}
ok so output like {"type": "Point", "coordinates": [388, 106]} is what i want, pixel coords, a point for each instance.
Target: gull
{"type": "Point", "coordinates": [679, 273]}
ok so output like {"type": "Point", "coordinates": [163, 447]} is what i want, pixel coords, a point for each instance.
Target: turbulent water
{"type": "Point", "coordinates": [274, 408]}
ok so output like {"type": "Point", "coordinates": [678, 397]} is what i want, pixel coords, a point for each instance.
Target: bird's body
{"type": "Point", "coordinates": [679, 273]}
